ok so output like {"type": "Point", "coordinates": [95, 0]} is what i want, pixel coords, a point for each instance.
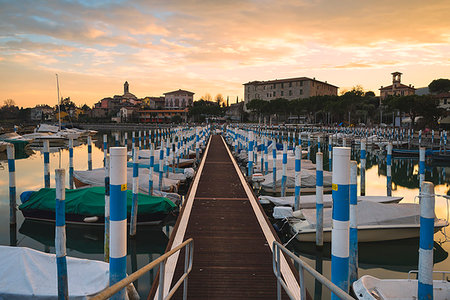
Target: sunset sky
{"type": "Point", "coordinates": [214, 46]}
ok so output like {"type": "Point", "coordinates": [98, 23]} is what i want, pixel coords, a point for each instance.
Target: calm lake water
{"type": "Point", "coordinates": [384, 260]}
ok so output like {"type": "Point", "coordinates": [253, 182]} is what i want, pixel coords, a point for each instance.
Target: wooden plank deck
{"type": "Point", "coordinates": [232, 236]}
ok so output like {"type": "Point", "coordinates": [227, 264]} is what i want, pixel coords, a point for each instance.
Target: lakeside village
{"type": "Point", "coordinates": [294, 100]}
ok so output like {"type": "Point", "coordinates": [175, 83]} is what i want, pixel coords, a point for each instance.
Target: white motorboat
{"type": "Point", "coordinates": [31, 274]}
{"type": "Point", "coordinates": [376, 222]}
{"type": "Point", "coordinates": [309, 201]}
{"type": "Point", "coordinates": [372, 288]}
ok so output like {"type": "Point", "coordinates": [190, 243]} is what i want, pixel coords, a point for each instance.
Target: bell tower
{"type": "Point", "coordinates": [125, 88]}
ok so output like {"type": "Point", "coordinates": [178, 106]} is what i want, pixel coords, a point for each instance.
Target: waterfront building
{"type": "Point", "coordinates": [177, 100]}
{"type": "Point", "coordinates": [396, 88]}
{"type": "Point", "coordinates": [41, 113]}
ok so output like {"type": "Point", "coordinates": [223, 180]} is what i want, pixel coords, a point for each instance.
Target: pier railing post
{"type": "Point", "coordinates": [319, 199]}
{"type": "Point", "coordinates": [12, 183]}
{"type": "Point", "coordinates": [353, 222]}
{"type": "Point", "coordinates": [425, 280]}
{"type": "Point", "coordinates": [60, 234]}
{"type": "Point", "coordinates": [340, 229]}
{"type": "Point", "coordinates": [118, 217]}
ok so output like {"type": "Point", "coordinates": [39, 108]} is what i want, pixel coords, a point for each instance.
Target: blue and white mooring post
{"type": "Point", "coordinates": [318, 143]}
{"type": "Point", "coordinates": [12, 183]}
{"type": "Point", "coordinates": [89, 148]}
{"type": "Point", "coordinates": [250, 153]}
{"type": "Point", "coordinates": [425, 278]}
{"type": "Point", "coordinates": [330, 153]}
{"type": "Point", "coordinates": [107, 218]}
{"type": "Point", "coordinates": [71, 163]}
{"type": "Point", "coordinates": [161, 166]}
{"type": "Point", "coordinates": [309, 146]}
{"type": "Point", "coordinates": [126, 140]}
{"type": "Point", "coordinates": [118, 218]}
{"type": "Point", "coordinates": [46, 164]}
{"type": "Point", "coordinates": [105, 148]}
{"type": "Point", "coordinates": [341, 210]}
{"type": "Point", "coordinates": [144, 139]}
{"type": "Point", "coordinates": [353, 222]}
{"type": "Point", "coordinates": [116, 138]}
{"type": "Point", "coordinates": [150, 170]}
{"type": "Point", "coordinates": [134, 205]}
{"type": "Point", "coordinates": [421, 166]}
{"type": "Point", "coordinates": [197, 146]}
{"type": "Point", "coordinates": [266, 158]}
{"type": "Point", "coordinates": [60, 234]}
{"type": "Point", "coordinates": [133, 142]}
{"type": "Point", "coordinates": [388, 169]}
{"type": "Point", "coordinates": [140, 139]}
{"type": "Point", "coordinates": [298, 176]}
{"type": "Point", "coordinates": [284, 170]}
{"type": "Point", "coordinates": [319, 199]}
{"type": "Point", "coordinates": [363, 167]}
{"type": "Point", "coordinates": [274, 165]}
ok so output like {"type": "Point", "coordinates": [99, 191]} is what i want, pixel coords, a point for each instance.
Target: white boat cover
{"type": "Point", "coordinates": [96, 177]}
{"type": "Point", "coordinates": [31, 274]}
{"type": "Point", "coordinates": [371, 214]}
{"type": "Point", "coordinates": [372, 288]}
{"type": "Point", "coordinates": [47, 128]}
{"type": "Point", "coordinates": [308, 179]}
{"type": "Point", "coordinates": [309, 201]}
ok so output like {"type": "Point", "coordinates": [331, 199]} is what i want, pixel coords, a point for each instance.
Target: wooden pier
{"type": "Point", "coordinates": [232, 235]}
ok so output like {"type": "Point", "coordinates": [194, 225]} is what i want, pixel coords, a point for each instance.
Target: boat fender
{"type": "Point", "coordinates": [90, 219]}
{"type": "Point", "coordinates": [298, 214]}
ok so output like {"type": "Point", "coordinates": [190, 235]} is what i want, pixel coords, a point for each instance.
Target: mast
{"type": "Point", "coordinates": [59, 105]}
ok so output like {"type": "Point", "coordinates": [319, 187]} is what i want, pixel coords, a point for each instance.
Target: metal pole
{"type": "Point", "coordinates": [46, 164]}
{"type": "Point", "coordinates": [353, 258]}
{"type": "Point", "coordinates": [134, 206]}
{"type": "Point", "coordinates": [319, 199]}
{"type": "Point", "coordinates": [340, 229]}
{"type": "Point", "coordinates": [425, 278]}
{"type": "Point", "coordinates": [60, 235]}
{"type": "Point", "coordinates": [118, 215]}
{"type": "Point", "coordinates": [12, 183]}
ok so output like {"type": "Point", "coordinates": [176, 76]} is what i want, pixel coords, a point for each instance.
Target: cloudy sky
{"type": "Point", "coordinates": [214, 46]}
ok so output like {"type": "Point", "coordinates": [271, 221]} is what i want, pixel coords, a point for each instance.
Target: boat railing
{"type": "Point", "coordinates": [443, 273]}
{"type": "Point", "coordinates": [302, 266]}
{"type": "Point", "coordinates": [161, 262]}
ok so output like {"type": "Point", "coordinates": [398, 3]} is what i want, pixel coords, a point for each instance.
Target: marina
{"type": "Point", "coordinates": [211, 204]}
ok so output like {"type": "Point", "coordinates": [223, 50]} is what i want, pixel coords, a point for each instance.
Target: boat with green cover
{"type": "Point", "coordinates": [87, 206]}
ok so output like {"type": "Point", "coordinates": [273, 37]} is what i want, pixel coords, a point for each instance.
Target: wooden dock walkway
{"type": "Point", "coordinates": [232, 236]}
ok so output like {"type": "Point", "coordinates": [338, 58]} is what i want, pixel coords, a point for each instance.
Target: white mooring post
{"type": "Point", "coordinates": [12, 183]}
{"type": "Point", "coordinates": [250, 153]}
{"type": "Point", "coordinates": [161, 166]}
{"type": "Point", "coordinates": [46, 164]}
{"type": "Point", "coordinates": [89, 148]}
{"type": "Point", "coordinates": [60, 234]}
{"type": "Point", "coordinates": [340, 229]}
{"type": "Point", "coordinates": [134, 206]}
{"type": "Point", "coordinates": [425, 278]}
{"type": "Point", "coordinates": [353, 223]}
{"type": "Point", "coordinates": [319, 199]}
{"type": "Point", "coordinates": [298, 176]}
{"type": "Point", "coordinates": [107, 218]}
{"type": "Point", "coordinates": [118, 217]}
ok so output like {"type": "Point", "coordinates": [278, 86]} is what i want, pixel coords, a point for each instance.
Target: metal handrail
{"type": "Point", "coordinates": [160, 261]}
{"type": "Point", "coordinates": [302, 266]}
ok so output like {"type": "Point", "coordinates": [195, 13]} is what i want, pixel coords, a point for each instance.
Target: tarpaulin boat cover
{"type": "Point", "coordinates": [91, 201]}
{"type": "Point", "coordinates": [308, 179]}
{"type": "Point", "coordinates": [31, 274]}
{"type": "Point", "coordinates": [96, 177]}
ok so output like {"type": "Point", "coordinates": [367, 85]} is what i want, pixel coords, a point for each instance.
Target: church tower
{"type": "Point", "coordinates": [396, 78]}
{"type": "Point", "coordinates": [125, 88]}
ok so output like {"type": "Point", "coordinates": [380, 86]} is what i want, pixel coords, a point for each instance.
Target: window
{"type": "Point", "coordinates": [274, 85]}
{"type": "Point", "coordinates": [264, 87]}
{"type": "Point", "coordinates": [301, 92]}
{"type": "Point", "coordinates": [445, 101]}
{"type": "Point", "coordinates": [290, 92]}
{"type": "Point", "coordinates": [290, 84]}
{"type": "Point", "coordinates": [282, 93]}
{"type": "Point", "coordinates": [267, 94]}
{"type": "Point", "coordinates": [301, 83]}
{"type": "Point", "coordinates": [274, 93]}
{"type": "Point", "coordinates": [282, 85]}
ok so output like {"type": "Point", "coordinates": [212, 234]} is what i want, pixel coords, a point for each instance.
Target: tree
{"type": "Point", "coordinates": [439, 86]}
{"type": "Point", "coordinates": [9, 103]}
{"type": "Point", "coordinates": [207, 97]}
{"type": "Point", "coordinates": [219, 99]}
